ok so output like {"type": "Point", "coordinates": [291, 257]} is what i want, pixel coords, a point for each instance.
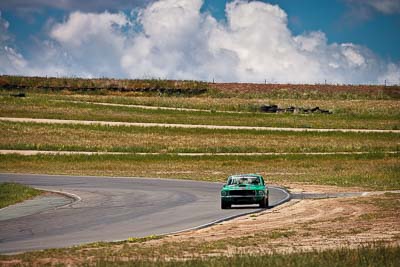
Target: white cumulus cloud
{"type": "Point", "coordinates": [173, 42]}
{"type": "Point", "coordinates": [391, 74]}
{"type": "Point", "coordinates": [92, 43]}
{"type": "Point", "coordinates": [174, 39]}
{"type": "Point", "coordinates": [10, 60]}
{"type": "Point", "coordinates": [86, 27]}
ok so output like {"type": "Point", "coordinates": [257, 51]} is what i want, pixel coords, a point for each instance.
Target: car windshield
{"type": "Point", "coordinates": [244, 180]}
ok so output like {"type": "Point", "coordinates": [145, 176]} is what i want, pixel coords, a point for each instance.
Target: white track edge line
{"type": "Point", "coordinates": [75, 197]}
{"type": "Point", "coordinates": [288, 196]}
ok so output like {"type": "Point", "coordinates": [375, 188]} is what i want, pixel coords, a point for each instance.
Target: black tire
{"type": "Point", "coordinates": [267, 203]}
{"type": "Point", "coordinates": [225, 205]}
{"type": "Point", "coordinates": [264, 203]}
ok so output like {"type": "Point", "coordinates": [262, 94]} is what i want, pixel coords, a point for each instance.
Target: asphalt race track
{"type": "Point", "coordinates": [115, 209]}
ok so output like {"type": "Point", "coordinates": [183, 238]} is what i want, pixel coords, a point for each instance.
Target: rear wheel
{"type": "Point", "coordinates": [225, 205]}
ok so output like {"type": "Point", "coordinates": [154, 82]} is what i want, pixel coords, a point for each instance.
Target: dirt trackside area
{"type": "Point", "coordinates": [299, 225]}
{"type": "Point", "coordinates": [302, 226]}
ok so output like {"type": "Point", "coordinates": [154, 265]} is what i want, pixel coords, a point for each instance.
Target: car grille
{"type": "Point", "coordinates": [242, 192]}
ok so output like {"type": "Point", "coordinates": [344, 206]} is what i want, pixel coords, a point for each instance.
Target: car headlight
{"type": "Point", "coordinates": [224, 193]}
{"type": "Point", "coordinates": [260, 193]}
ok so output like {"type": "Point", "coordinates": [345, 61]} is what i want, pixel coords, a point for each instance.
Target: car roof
{"type": "Point", "coordinates": [245, 175]}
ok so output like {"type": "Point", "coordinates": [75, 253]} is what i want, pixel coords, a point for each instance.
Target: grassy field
{"type": "Point", "coordinates": [359, 257]}
{"type": "Point", "coordinates": [11, 193]}
{"type": "Point", "coordinates": [370, 107]}
{"type": "Point", "coordinates": [366, 256]}
{"type": "Point", "coordinates": [102, 85]}
{"type": "Point", "coordinates": [365, 107]}
{"type": "Point", "coordinates": [248, 90]}
{"type": "Point", "coordinates": [381, 115]}
{"type": "Point", "coordinates": [373, 171]}
{"type": "Point", "coordinates": [232, 103]}
{"type": "Point", "coordinates": [173, 140]}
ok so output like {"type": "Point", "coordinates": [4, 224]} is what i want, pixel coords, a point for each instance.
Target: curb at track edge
{"type": "Point", "coordinates": [286, 199]}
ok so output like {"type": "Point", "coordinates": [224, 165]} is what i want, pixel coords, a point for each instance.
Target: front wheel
{"type": "Point", "coordinates": [264, 203]}
{"type": "Point", "coordinates": [225, 205]}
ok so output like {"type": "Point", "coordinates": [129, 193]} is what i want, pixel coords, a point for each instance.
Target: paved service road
{"type": "Point", "coordinates": [115, 209]}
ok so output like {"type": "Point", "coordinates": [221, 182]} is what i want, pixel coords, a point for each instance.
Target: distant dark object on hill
{"type": "Point", "coordinates": [276, 109]}
{"type": "Point", "coordinates": [18, 95]}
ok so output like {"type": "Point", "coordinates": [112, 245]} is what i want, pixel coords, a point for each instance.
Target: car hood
{"type": "Point", "coordinates": [243, 187]}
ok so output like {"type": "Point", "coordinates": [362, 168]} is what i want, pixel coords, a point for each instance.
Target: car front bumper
{"type": "Point", "coordinates": [242, 199]}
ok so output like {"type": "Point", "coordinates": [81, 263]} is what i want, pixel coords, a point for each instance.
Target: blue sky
{"type": "Point", "coordinates": [378, 31]}
{"type": "Point", "coordinates": [371, 25]}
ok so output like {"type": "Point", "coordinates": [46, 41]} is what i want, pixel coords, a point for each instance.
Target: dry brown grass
{"type": "Point", "coordinates": [314, 224]}
{"type": "Point", "coordinates": [348, 114]}
{"type": "Point", "coordinates": [309, 91]}
{"type": "Point", "coordinates": [371, 171]}
{"type": "Point", "coordinates": [357, 106]}
{"type": "Point", "coordinates": [137, 139]}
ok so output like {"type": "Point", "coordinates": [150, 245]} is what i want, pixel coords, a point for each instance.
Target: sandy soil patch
{"type": "Point", "coordinates": [312, 188]}
{"type": "Point", "coordinates": [302, 225]}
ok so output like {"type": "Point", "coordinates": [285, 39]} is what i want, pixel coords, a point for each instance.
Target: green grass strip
{"type": "Point", "coordinates": [11, 193]}
{"type": "Point", "coordinates": [374, 171]}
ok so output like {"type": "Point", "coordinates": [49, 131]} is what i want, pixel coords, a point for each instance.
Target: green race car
{"type": "Point", "coordinates": [244, 189]}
